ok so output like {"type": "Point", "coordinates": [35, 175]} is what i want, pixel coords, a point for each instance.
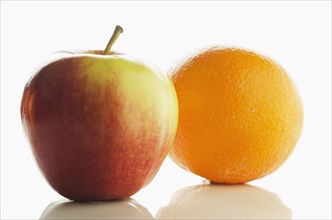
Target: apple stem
{"type": "Point", "coordinates": [117, 31]}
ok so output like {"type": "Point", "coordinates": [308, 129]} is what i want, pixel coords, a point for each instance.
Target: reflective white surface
{"type": "Point", "coordinates": [296, 34]}
{"type": "Point", "coordinates": [210, 201]}
{"type": "Point", "coordinates": [127, 209]}
{"type": "Point", "coordinates": [203, 201]}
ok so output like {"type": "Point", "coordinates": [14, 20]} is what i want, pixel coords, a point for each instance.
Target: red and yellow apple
{"type": "Point", "coordinates": [100, 124]}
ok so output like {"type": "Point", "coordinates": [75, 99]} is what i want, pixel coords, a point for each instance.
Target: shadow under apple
{"type": "Point", "coordinates": [124, 209]}
{"type": "Point", "coordinates": [216, 201]}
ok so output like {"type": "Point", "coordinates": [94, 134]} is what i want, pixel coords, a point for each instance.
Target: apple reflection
{"type": "Point", "coordinates": [216, 201]}
{"type": "Point", "coordinates": [125, 209]}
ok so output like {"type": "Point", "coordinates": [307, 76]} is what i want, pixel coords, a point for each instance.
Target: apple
{"type": "Point", "coordinates": [99, 123]}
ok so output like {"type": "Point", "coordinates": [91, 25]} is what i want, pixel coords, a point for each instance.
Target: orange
{"type": "Point", "coordinates": [240, 115]}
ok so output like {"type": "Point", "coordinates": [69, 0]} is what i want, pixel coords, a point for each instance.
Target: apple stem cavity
{"type": "Point", "coordinates": [117, 31]}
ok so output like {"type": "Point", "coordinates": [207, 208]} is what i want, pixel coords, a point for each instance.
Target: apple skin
{"type": "Point", "coordinates": [99, 126]}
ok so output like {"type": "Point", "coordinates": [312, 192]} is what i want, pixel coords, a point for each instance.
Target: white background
{"type": "Point", "coordinates": [296, 34]}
